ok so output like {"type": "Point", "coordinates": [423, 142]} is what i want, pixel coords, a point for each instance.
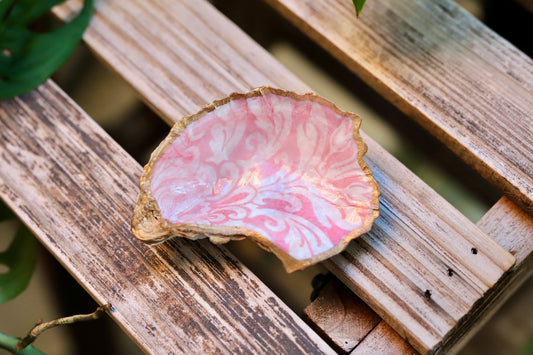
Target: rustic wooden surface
{"type": "Point", "coordinates": [180, 55]}
{"type": "Point", "coordinates": [374, 343]}
{"type": "Point", "coordinates": [512, 228]}
{"type": "Point", "coordinates": [401, 267]}
{"type": "Point", "coordinates": [340, 317]}
{"type": "Point", "coordinates": [506, 223]}
{"type": "Point", "coordinates": [76, 188]}
{"type": "Point", "coordinates": [465, 84]}
{"type": "Point", "coordinates": [347, 323]}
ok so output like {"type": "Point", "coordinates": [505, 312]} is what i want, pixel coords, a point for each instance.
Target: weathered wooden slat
{"type": "Point", "coordinates": [506, 223]}
{"type": "Point", "coordinates": [174, 58]}
{"type": "Point", "coordinates": [181, 54]}
{"type": "Point", "coordinates": [383, 340]}
{"type": "Point", "coordinates": [340, 317]}
{"type": "Point", "coordinates": [464, 83]}
{"type": "Point", "coordinates": [76, 188]}
{"type": "Point", "coordinates": [347, 323]}
{"type": "Point", "coordinates": [512, 228]}
{"type": "Point", "coordinates": [401, 268]}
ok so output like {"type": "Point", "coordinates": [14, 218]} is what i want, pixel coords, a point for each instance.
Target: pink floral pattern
{"type": "Point", "coordinates": [284, 168]}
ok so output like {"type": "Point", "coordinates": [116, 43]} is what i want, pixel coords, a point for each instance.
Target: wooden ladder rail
{"type": "Point", "coordinates": [461, 81]}
{"type": "Point", "coordinates": [206, 34]}
{"type": "Point", "coordinates": [433, 244]}
{"type": "Point", "coordinates": [352, 327]}
{"type": "Point", "coordinates": [205, 78]}
{"type": "Point", "coordinates": [75, 188]}
{"type": "Point", "coordinates": [402, 49]}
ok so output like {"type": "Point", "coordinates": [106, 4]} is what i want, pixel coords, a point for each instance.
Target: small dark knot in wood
{"type": "Point", "coordinates": [427, 294]}
{"type": "Point", "coordinates": [474, 251]}
{"type": "Point", "coordinates": [450, 272]}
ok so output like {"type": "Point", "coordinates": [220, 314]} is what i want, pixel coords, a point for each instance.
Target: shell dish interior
{"type": "Point", "coordinates": [286, 170]}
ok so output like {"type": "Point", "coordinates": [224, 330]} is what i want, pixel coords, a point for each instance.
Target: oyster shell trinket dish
{"type": "Point", "coordinates": [283, 169]}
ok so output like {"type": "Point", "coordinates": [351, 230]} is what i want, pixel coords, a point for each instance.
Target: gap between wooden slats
{"type": "Point", "coordinates": [468, 86]}
{"type": "Point", "coordinates": [76, 188]}
{"type": "Point", "coordinates": [427, 223]}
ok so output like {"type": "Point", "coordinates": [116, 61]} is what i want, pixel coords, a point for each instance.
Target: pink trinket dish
{"type": "Point", "coordinates": [283, 169]}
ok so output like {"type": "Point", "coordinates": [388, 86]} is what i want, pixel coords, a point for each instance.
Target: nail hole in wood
{"type": "Point", "coordinates": [474, 251]}
{"type": "Point", "coordinates": [450, 272]}
{"type": "Point", "coordinates": [427, 294]}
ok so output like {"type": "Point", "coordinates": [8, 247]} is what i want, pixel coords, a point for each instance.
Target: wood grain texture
{"type": "Point", "coordinates": [512, 228]}
{"type": "Point", "coordinates": [401, 267]}
{"type": "Point", "coordinates": [340, 317]}
{"type": "Point", "coordinates": [180, 55]}
{"type": "Point", "coordinates": [507, 224]}
{"type": "Point", "coordinates": [383, 340]}
{"type": "Point", "coordinates": [76, 188]}
{"type": "Point", "coordinates": [464, 83]}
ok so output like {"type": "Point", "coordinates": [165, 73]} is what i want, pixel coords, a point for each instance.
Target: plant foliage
{"type": "Point", "coordinates": [18, 262]}
{"type": "Point", "coordinates": [9, 343]}
{"type": "Point", "coordinates": [358, 6]}
{"type": "Point", "coordinates": [28, 58]}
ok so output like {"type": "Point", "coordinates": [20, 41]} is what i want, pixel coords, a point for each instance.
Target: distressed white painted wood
{"type": "Point", "coordinates": [190, 54]}
{"type": "Point", "coordinates": [468, 86]}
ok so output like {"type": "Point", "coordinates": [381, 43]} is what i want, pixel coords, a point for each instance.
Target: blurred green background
{"type": "Point", "coordinates": [53, 293]}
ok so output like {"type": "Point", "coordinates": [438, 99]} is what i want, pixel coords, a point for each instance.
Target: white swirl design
{"type": "Point", "coordinates": [284, 168]}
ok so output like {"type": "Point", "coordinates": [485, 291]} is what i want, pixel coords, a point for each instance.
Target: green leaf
{"type": "Point", "coordinates": [5, 7]}
{"type": "Point", "coordinates": [9, 343]}
{"type": "Point", "coordinates": [358, 6]}
{"type": "Point", "coordinates": [17, 263]}
{"type": "Point", "coordinates": [528, 349]}
{"type": "Point", "coordinates": [28, 58]}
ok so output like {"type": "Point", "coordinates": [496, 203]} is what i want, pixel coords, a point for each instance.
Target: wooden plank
{"type": "Point", "coordinates": [188, 51]}
{"type": "Point", "coordinates": [401, 267]}
{"type": "Point", "coordinates": [347, 323]}
{"type": "Point", "coordinates": [464, 83]}
{"type": "Point", "coordinates": [508, 225]}
{"type": "Point", "coordinates": [374, 343]}
{"type": "Point", "coordinates": [179, 55]}
{"type": "Point", "coordinates": [512, 228]}
{"type": "Point", "coordinates": [76, 188]}
{"type": "Point", "coordinates": [340, 317]}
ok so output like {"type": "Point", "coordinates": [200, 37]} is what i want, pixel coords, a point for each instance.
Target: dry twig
{"type": "Point", "coordinates": [41, 327]}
